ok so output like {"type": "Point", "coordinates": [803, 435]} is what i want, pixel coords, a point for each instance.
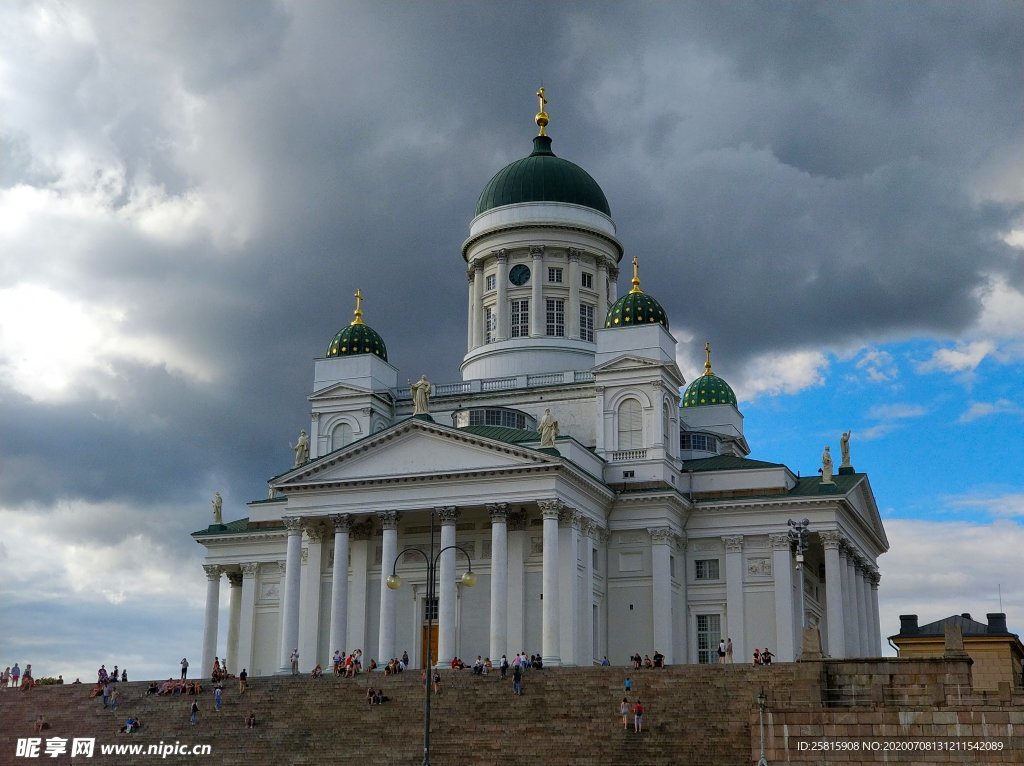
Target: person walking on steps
{"type": "Point", "coordinates": [624, 712]}
{"type": "Point", "coordinates": [638, 716]}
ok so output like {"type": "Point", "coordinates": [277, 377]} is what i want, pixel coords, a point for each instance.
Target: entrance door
{"type": "Point", "coordinates": [433, 643]}
{"type": "Point", "coordinates": [709, 633]}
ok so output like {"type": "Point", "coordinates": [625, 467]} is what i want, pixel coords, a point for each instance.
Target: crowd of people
{"type": "Point", "coordinates": [17, 678]}
{"type": "Point", "coordinates": [638, 662]}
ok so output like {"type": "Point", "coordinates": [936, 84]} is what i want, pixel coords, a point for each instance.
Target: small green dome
{"type": "Point", "coordinates": [357, 339]}
{"type": "Point", "coordinates": [633, 309]}
{"type": "Point", "coordinates": [542, 177]}
{"type": "Point", "coordinates": [708, 389]}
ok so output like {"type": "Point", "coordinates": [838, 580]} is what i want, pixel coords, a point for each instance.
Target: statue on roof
{"type": "Point", "coordinates": [844, 447]}
{"type": "Point", "coordinates": [301, 449]}
{"type": "Point", "coordinates": [548, 428]}
{"type": "Point", "coordinates": [826, 466]}
{"type": "Point", "coordinates": [218, 503]}
{"type": "Point", "coordinates": [420, 396]}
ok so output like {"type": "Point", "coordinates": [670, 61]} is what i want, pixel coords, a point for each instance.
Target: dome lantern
{"type": "Point", "coordinates": [358, 337]}
{"type": "Point", "coordinates": [708, 389]}
{"type": "Point", "coordinates": [635, 307]}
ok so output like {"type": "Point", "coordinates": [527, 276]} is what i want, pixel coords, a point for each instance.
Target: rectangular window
{"type": "Point", "coordinates": [587, 280]}
{"type": "Point", "coordinates": [556, 317]}
{"type": "Point", "coordinates": [489, 282]}
{"type": "Point", "coordinates": [701, 442]}
{"type": "Point", "coordinates": [430, 609]}
{"type": "Point", "coordinates": [586, 322]}
{"type": "Point", "coordinates": [554, 274]}
{"type": "Point", "coordinates": [520, 319]}
{"type": "Point", "coordinates": [709, 633]}
{"type": "Point", "coordinates": [706, 569]}
{"type": "Point", "coordinates": [490, 324]}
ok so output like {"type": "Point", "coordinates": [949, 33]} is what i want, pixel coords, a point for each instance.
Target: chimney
{"type": "Point", "coordinates": [997, 622]}
{"type": "Point", "coordinates": [908, 624]}
{"type": "Point", "coordinates": [966, 615]}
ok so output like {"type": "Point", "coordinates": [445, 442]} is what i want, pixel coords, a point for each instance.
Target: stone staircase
{"type": "Point", "coordinates": [694, 715]}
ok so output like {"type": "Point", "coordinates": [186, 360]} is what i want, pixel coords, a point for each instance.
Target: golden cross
{"type": "Point", "coordinates": [636, 277]}
{"type": "Point", "coordinates": [359, 310]}
{"type": "Point", "coordinates": [542, 117]}
{"type": "Point", "coordinates": [707, 364]}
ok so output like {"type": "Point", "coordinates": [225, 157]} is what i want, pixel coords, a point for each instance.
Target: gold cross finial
{"type": "Point", "coordinates": [359, 307]}
{"type": "Point", "coordinates": [542, 117]}
{"type": "Point", "coordinates": [707, 363]}
{"type": "Point", "coordinates": [636, 277]}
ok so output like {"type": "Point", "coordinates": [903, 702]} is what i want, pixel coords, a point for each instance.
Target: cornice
{"type": "Point", "coordinates": [469, 242]}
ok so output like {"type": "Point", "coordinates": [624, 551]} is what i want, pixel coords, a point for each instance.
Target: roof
{"type": "Point", "coordinates": [968, 627]}
{"type": "Point", "coordinates": [635, 308]}
{"type": "Point", "coordinates": [231, 528]}
{"type": "Point", "coordinates": [357, 338]}
{"type": "Point", "coordinates": [727, 463]}
{"type": "Point", "coordinates": [503, 434]}
{"type": "Point", "coordinates": [706, 390]}
{"type": "Point", "coordinates": [542, 177]}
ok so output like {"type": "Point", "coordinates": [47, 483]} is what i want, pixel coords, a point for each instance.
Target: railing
{"type": "Point", "coordinates": [584, 376]}
{"type": "Point", "coordinates": [498, 384]}
{"type": "Point", "coordinates": [443, 389]}
{"type": "Point", "coordinates": [629, 454]}
{"type": "Point", "coordinates": [547, 379]}
{"type": "Point", "coordinates": [501, 384]}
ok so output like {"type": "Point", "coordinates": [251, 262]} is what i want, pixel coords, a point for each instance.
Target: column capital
{"type": "Point", "coordinates": [779, 542]}
{"type": "Point", "coordinates": [874, 578]}
{"type": "Point", "coordinates": [213, 571]}
{"type": "Point", "coordinates": [250, 568]}
{"type": "Point", "coordinates": [536, 251]}
{"type": "Point", "coordinates": [389, 519]}
{"type": "Point", "coordinates": [550, 509]}
{"type": "Point", "coordinates": [588, 527]}
{"type": "Point", "coordinates": [447, 514]}
{"type": "Point", "coordinates": [733, 543]}
{"type": "Point", "coordinates": [830, 539]}
{"type": "Point", "coordinates": [498, 512]}
{"type": "Point", "coordinates": [234, 579]}
{"type": "Point", "coordinates": [661, 535]}
{"type": "Point", "coordinates": [601, 534]}
{"type": "Point", "coordinates": [574, 254]}
{"type": "Point", "coordinates": [293, 524]}
{"type": "Point", "coordinates": [501, 254]}
{"type": "Point", "coordinates": [471, 273]}
{"type": "Point", "coordinates": [342, 521]}
{"type": "Point", "coordinates": [613, 273]}
{"type": "Point", "coordinates": [314, 532]}
{"type": "Point", "coordinates": [570, 517]}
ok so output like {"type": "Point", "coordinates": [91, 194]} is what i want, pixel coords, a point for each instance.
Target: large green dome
{"type": "Point", "coordinates": [542, 177]}
{"type": "Point", "coordinates": [358, 337]}
{"type": "Point", "coordinates": [708, 388]}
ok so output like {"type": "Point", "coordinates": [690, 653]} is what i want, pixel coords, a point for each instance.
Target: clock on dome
{"type": "Point", "coordinates": [519, 275]}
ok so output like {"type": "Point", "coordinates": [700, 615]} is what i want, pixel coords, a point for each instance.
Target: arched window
{"type": "Point", "coordinates": [631, 425]}
{"type": "Point", "coordinates": [341, 435]}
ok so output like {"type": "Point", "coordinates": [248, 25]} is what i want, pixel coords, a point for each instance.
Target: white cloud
{"type": "Point", "coordinates": [896, 411]}
{"type": "Point", "coordinates": [985, 409]}
{"type": "Point", "coordinates": [781, 373]}
{"type": "Point", "coordinates": [879, 366]}
{"type": "Point", "coordinates": [964, 358]}
{"type": "Point", "coordinates": [1005, 505]}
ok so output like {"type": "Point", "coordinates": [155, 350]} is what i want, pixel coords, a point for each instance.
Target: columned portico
{"type": "Point", "coordinates": [499, 580]}
{"type": "Point", "coordinates": [662, 539]}
{"type": "Point", "coordinates": [290, 592]}
{"type": "Point", "coordinates": [517, 552]}
{"type": "Point", "coordinates": [339, 584]}
{"type": "Point", "coordinates": [388, 597]}
{"type": "Point", "coordinates": [850, 601]}
{"type": "Point", "coordinates": [213, 572]}
{"type": "Point", "coordinates": [833, 594]}
{"type": "Point", "coordinates": [309, 611]}
{"type": "Point", "coordinates": [357, 607]}
{"type": "Point", "coordinates": [782, 568]}
{"type": "Point", "coordinates": [550, 511]}
{"type": "Point", "coordinates": [234, 619]}
{"type": "Point", "coordinates": [570, 522]}
{"type": "Point", "coordinates": [243, 656]}
{"type": "Point", "coordinates": [446, 595]}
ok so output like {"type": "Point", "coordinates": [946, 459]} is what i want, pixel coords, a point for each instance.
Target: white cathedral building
{"type": "Point", "coordinates": [638, 524]}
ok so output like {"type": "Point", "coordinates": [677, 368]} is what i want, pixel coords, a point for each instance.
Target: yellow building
{"type": "Point", "coordinates": [998, 655]}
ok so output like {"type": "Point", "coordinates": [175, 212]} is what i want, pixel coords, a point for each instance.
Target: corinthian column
{"type": "Point", "coordinates": [499, 579]}
{"type": "Point", "coordinates": [234, 617]}
{"type": "Point", "coordinates": [550, 510]}
{"type": "Point", "coordinates": [830, 541]}
{"type": "Point", "coordinates": [213, 573]}
{"type": "Point", "coordinates": [388, 597]}
{"type": "Point", "coordinates": [662, 540]}
{"type": "Point", "coordinates": [782, 569]}
{"type": "Point", "coordinates": [290, 592]}
{"type": "Point", "coordinates": [449, 515]}
{"type": "Point", "coordinates": [339, 582]}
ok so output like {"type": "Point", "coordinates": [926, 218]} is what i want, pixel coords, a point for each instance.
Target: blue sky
{"type": "Point", "coordinates": [832, 194]}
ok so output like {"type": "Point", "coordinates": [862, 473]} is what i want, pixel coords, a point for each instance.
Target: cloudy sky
{"type": "Point", "coordinates": [190, 192]}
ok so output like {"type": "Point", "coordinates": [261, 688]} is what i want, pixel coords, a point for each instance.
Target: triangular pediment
{"type": "Point", "coordinates": [628, 362]}
{"type": "Point", "coordinates": [414, 448]}
{"type": "Point", "coordinates": [862, 499]}
{"type": "Point", "coordinates": [336, 390]}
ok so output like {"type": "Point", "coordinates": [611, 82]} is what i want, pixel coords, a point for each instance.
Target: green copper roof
{"type": "Point", "coordinates": [708, 389]}
{"type": "Point", "coordinates": [357, 339]}
{"type": "Point", "coordinates": [728, 463]}
{"type": "Point", "coordinates": [503, 434]}
{"type": "Point", "coordinates": [542, 177]}
{"type": "Point", "coordinates": [633, 309]}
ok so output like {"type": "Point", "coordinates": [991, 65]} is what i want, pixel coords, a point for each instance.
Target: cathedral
{"type": "Point", "coordinates": [587, 501]}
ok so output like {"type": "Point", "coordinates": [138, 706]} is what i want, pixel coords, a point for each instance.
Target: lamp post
{"type": "Point", "coordinates": [798, 537]}
{"type": "Point", "coordinates": [761, 702]}
{"type": "Point", "coordinates": [394, 583]}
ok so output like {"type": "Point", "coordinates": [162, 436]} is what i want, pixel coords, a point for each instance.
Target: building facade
{"type": "Point", "coordinates": [606, 506]}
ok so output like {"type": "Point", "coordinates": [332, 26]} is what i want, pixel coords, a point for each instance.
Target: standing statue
{"type": "Point", "coordinates": [826, 466]}
{"type": "Point", "coordinates": [218, 503]}
{"type": "Point", "coordinates": [548, 428]}
{"type": "Point", "coordinates": [301, 449]}
{"type": "Point", "coordinates": [420, 396]}
{"type": "Point", "coordinates": [844, 447]}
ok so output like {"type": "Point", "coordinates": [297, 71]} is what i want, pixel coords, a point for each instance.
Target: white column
{"type": "Point", "coordinates": [682, 632]}
{"type": "Point", "coordinates": [613, 284]}
{"type": "Point", "coordinates": [853, 616]}
{"type": "Point", "coordinates": [574, 294]}
{"type": "Point", "coordinates": [833, 594]}
{"type": "Point", "coordinates": [339, 583]}
{"type": "Point", "coordinates": [478, 306]}
{"type": "Point", "coordinates": [736, 618]}
{"type": "Point", "coordinates": [234, 619]}
{"type": "Point", "coordinates": [602, 293]}
{"type": "Point", "coordinates": [247, 619]}
{"type": "Point", "coordinates": [568, 585]}
{"type": "Point", "coordinates": [662, 540]}
{"type": "Point", "coordinates": [501, 278]}
{"type": "Point", "coordinates": [550, 510]}
{"type": "Point", "coordinates": [290, 592]}
{"type": "Point", "coordinates": [213, 572]}
{"type": "Point", "coordinates": [471, 313]}
{"type": "Point", "coordinates": [537, 276]}
{"type": "Point", "coordinates": [587, 653]}
{"type": "Point", "coordinates": [782, 569]}
{"type": "Point", "coordinates": [518, 547]}
{"type": "Point", "coordinates": [388, 597]}
{"type": "Point", "coordinates": [863, 606]}
{"type": "Point", "coordinates": [499, 579]}
{"type": "Point", "coordinates": [309, 609]}
{"type": "Point", "coordinates": [448, 515]}
{"type": "Point", "coordinates": [875, 579]}
{"type": "Point", "coordinates": [358, 588]}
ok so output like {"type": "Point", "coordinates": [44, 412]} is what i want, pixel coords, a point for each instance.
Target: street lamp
{"type": "Point", "coordinates": [761, 702]}
{"type": "Point", "coordinates": [394, 582]}
{"type": "Point", "coordinates": [798, 538]}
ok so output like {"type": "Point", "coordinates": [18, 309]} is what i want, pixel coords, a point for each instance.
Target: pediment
{"type": "Point", "coordinates": [862, 499]}
{"type": "Point", "coordinates": [414, 448]}
{"type": "Point", "coordinates": [337, 390]}
{"type": "Point", "coordinates": [628, 362]}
